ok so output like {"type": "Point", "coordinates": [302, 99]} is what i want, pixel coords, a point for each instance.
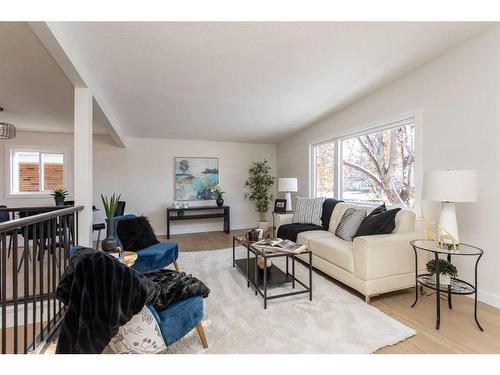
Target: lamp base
{"type": "Point", "coordinates": [288, 198]}
{"type": "Point", "coordinates": [448, 223]}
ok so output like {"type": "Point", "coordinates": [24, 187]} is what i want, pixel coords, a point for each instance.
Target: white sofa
{"type": "Point", "coordinates": [370, 264]}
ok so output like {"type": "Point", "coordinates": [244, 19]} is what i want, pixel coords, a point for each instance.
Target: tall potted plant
{"type": "Point", "coordinates": [110, 205]}
{"type": "Point", "coordinates": [258, 185]}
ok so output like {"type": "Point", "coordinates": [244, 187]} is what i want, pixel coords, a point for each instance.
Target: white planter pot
{"type": "Point", "coordinates": [444, 279]}
{"type": "Point", "coordinates": [264, 225]}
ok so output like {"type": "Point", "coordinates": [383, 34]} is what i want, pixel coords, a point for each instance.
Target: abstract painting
{"type": "Point", "coordinates": [195, 178]}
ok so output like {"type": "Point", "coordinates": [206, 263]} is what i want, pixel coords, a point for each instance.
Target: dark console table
{"type": "Point", "coordinates": [206, 212]}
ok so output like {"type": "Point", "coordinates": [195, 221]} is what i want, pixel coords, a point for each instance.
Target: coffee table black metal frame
{"type": "Point", "coordinates": [270, 276]}
{"type": "Point", "coordinates": [457, 286]}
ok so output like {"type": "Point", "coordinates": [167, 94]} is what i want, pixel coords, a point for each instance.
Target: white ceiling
{"type": "Point", "coordinates": [34, 92]}
{"type": "Point", "coordinates": [246, 81]}
{"type": "Point", "coordinates": [251, 82]}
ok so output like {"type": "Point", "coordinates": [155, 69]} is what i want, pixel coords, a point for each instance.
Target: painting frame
{"type": "Point", "coordinates": [195, 177]}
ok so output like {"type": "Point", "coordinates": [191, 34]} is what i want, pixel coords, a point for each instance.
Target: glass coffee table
{"type": "Point", "coordinates": [270, 276]}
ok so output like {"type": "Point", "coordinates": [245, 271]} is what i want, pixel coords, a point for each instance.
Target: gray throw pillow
{"type": "Point", "coordinates": [349, 224]}
{"type": "Point", "coordinates": [308, 211]}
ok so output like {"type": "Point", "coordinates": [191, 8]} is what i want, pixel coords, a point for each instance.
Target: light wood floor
{"type": "Point", "coordinates": [458, 332]}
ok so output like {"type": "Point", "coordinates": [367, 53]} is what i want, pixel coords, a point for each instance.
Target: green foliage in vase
{"type": "Point", "coordinates": [258, 185]}
{"type": "Point", "coordinates": [443, 267]}
{"type": "Point", "coordinates": [110, 205]}
{"type": "Point", "coordinates": [59, 192]}
{"type": "Point", "coordinates": [218, 191]}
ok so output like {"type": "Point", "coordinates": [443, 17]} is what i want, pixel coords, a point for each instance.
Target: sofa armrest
{"type": "Point", "coordinates": [386, 255]}
{"type": "Point", "coordinates": [281, 219]}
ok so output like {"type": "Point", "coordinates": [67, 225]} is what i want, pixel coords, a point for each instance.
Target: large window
{"type": "Point", "coordinates": [375, 166]}
{"type": "Point", "coordinates": [324, 161]}
{"type": "Point", "coordinates": [35, 172]}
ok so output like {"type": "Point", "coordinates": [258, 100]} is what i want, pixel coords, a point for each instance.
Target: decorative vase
{"type": "Point", "coordinates": [59, 201]}
{"type": "Point", "coordinates": [264, 225]}
{"type": "Point", "coordinates": [444, 279]}
{"type": "Point", "coordinates": [109, 244]}
{"type": "Point", "coordinates": [220, 202]}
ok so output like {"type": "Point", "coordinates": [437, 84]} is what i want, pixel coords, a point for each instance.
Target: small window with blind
{"type": "Point", "coordinates": [36, 171]}
{"type": "Point", "coordinates": [376, 165]}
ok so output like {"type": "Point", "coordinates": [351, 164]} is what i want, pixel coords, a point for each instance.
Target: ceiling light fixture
{"type": "Point", "coordinates": [7, 130]}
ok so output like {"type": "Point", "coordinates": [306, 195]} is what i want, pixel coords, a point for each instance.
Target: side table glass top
{"type": "Point", "coordinates": [432, 246]}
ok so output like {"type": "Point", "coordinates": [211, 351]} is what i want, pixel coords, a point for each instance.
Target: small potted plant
{"type": "Point", "coordinates": [59, 195]}
{"type": "Point", "coordinates": [219, 194]}
{"type": "Point", "coordinates": [110, 204]}
{"type": "Point", "coordinates": [445, 269]}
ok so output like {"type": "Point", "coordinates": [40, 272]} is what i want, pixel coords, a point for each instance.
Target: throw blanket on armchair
{"type": "Point", "coordinates": [291, 231]}
{"type": "Point", "coordinates": [101, 294]}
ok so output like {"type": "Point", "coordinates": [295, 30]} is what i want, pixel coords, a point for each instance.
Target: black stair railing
{"type": "Point", "coordinates": [34, 248]}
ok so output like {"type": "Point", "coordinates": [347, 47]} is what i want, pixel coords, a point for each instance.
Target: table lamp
{"type": "Point", "coordinates": [450, 187]}
{"type": "Point", "coordinates": [287, 185]}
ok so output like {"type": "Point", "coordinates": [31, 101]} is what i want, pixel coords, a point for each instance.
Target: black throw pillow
{"type": "Point", "coordinates": [379, 221]}
{"type": "Point", "coordinates": [328, 206]}
{"type": "Point", "coordinates": [136, 234]}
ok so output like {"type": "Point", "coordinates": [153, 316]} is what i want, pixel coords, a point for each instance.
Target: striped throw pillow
{"type": "Point", "coordinates": [308, 211]}
{"type": "Point", "coordinates": [349, 224]}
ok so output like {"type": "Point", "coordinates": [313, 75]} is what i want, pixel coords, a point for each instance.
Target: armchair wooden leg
{"type": "Point", "coordinates": [176, 266]}
{"type": "Point", "coordinates": [201, 333]}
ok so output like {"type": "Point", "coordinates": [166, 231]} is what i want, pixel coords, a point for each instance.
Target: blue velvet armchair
{"type": "Point", "coordinates": [154, 257]}
{"type": "Point", "coordinates": [178, 319]}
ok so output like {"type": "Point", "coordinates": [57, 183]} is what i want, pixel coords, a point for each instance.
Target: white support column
{"type": "Point", "coordinates": [83, 163]}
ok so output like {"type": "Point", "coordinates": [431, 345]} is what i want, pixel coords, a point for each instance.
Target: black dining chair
{"type": "Point", "coordinates": [95, 226]}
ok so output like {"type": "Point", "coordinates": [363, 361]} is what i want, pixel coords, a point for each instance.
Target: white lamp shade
{"type": "Point", "coordinates": [450, 186]}
{"type": "Point", "coordinates": [287, 184]}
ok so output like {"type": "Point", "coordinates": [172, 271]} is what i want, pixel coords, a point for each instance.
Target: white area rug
{"type": "Point", "coordinates": [335, 321]}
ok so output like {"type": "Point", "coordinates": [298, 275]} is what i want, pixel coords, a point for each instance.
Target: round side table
{"type": "Point", "coordinates": [457, 286]}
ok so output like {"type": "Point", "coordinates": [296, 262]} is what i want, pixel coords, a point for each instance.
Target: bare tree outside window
{"type": "Point", "coordinates": [324, 156]}
{"type": "Point", "coordinates": [377, 167]}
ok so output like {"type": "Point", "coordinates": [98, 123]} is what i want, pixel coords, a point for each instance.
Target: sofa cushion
{"type": "Point", "coordinates": [379, 221]}
{"type": "Point", "coordinates": [308, 211]}
{"type": "Point", "coordinates": [339, 211]}
{"type": "Point", "coordinates": [304, 238]}
{"type": "Point", "coordinates": [349, 224]}
{"type": "Point", "coordinates": [334, 250]}
{"type": "Point", "coordinates": [405, 221]}
{"type": "Point", "coordinates": [136, 234]}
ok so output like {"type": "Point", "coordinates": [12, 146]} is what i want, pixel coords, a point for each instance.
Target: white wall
{"type": "Point", "coordinates": [459, 94]}
{"type": "Point", "coordinates": [143, 173]}
{"type": "Point", "coordinates": [24, 138]}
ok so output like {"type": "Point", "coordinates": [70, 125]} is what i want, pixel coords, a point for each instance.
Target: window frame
{"type": "Point", "coordinates": [9, 170]}
{"type": "Point", "coordinates": [338, 137]}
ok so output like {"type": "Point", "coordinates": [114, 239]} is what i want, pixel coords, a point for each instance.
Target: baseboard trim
{"type": "Point", "coordinates": [488, 298]}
